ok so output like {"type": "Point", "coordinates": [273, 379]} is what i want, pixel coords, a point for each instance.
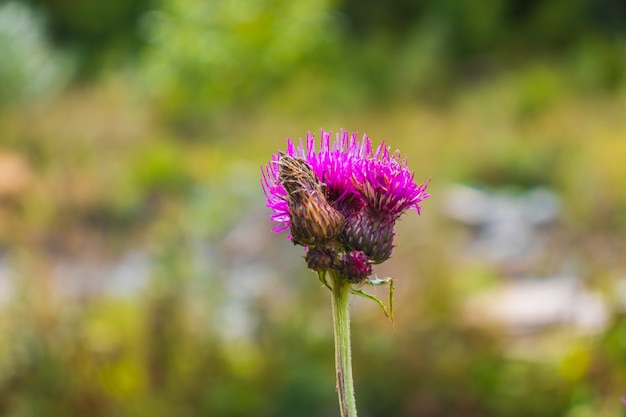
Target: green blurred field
{"type": "Point", "coordinates": [138, 272]}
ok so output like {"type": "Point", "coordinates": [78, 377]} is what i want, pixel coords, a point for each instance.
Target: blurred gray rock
{"type": "Point", "coordinates": [526, 306]}
{"type": "Point", "coordinates": [505, 224]}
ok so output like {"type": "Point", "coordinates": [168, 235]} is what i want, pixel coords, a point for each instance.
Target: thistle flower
{"type": "Point", "coordinates": [341, 202]}
{"type": "Point", "coordinates": [345, 196]}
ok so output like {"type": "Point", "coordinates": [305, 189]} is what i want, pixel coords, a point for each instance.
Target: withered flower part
{"type": "Point", "coordinates": [296, 174]}
{"type": "Point", "coordinates": [314, 222]}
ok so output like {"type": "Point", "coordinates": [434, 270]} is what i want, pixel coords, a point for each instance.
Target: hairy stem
{"type": "Point", "coordinates": [343, 358]}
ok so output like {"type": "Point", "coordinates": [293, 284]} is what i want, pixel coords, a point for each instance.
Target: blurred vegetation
{"type": "Point", "coordinates": [139, 126]}
{"type": "Point", "coordinates": [30, 67]}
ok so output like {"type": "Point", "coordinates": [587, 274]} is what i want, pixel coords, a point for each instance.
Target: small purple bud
{"type": "Point", "coordinates": [355, 266]}
{"type": "Point", "coordinates": [320, 259]}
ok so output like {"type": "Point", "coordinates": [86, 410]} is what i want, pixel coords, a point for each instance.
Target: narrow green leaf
{"type": "Point", "coordinates": [360, 293]}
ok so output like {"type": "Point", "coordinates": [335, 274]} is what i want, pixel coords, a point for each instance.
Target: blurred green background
{"type": "Point", "coordinates": [138, 272]}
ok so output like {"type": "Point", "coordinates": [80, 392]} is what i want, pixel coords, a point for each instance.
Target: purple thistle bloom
{"type": "Point", "coordinates": [386, 184]}
{"type": "Point", "coordinates": [370, 188]}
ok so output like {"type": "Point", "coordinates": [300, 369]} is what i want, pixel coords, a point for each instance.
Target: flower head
{"type": "Point", "coordinates": [345, 196]}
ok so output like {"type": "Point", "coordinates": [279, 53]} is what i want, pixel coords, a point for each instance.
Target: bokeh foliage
{"type": "Point", "coordinates": [139, 126]}
{"type": "Point", "coordinates": [29, 67]}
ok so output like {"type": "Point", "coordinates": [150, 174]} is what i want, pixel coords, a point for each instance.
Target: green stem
{"type": "Point", "coordinates": [343, 358]}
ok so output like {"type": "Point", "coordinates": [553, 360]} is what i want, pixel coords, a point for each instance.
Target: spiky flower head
{"type": "Point", "coordinates": [342, 199]}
